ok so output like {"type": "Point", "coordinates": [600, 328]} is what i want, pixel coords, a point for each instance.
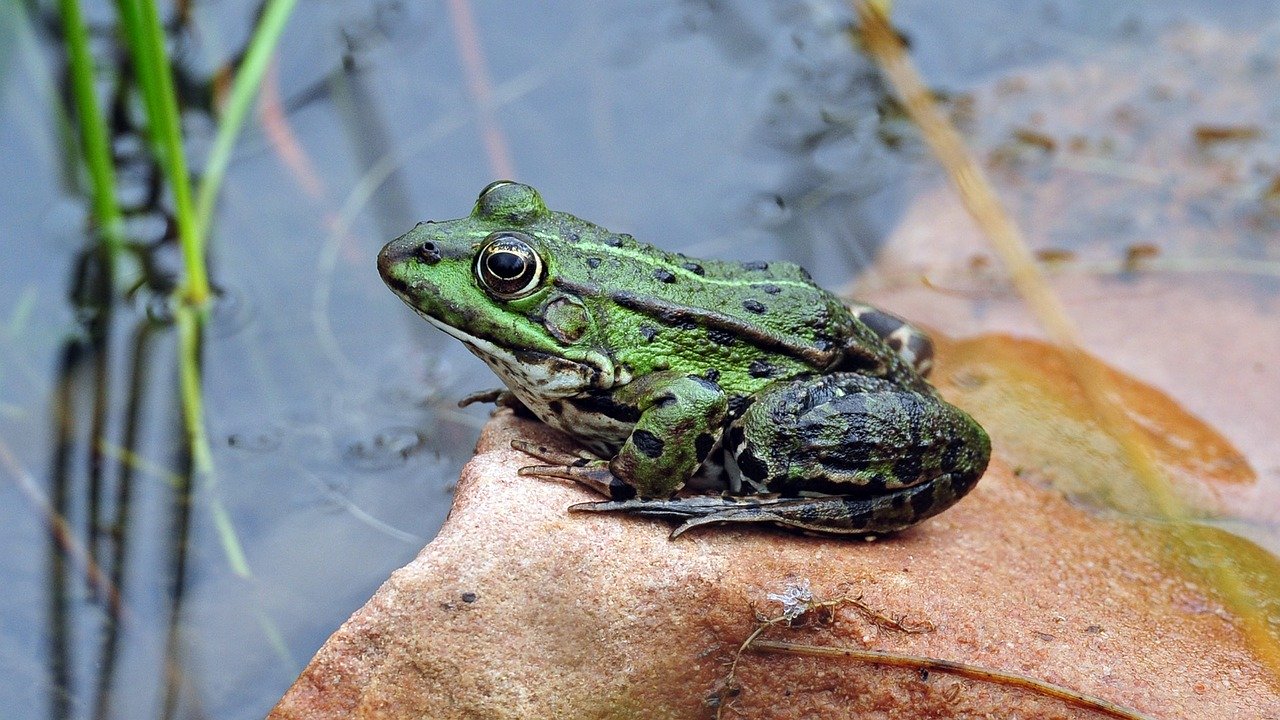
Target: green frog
{"type": "Point", "coordinates": [706, 391]}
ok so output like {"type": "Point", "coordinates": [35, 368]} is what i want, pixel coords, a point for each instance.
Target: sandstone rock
{"type": "Point", "coordinates": [519, 609]}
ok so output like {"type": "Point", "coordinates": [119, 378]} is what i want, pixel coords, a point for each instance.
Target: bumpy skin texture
{"type": "Point", "coordinates": [779, 402]}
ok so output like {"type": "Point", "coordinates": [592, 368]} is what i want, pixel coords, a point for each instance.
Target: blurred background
{"type": "Point", "coordinates": [1135, 141]}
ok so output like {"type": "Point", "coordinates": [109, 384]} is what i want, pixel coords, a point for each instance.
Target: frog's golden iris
{"type": "Point", "coordinates": [508, 266]}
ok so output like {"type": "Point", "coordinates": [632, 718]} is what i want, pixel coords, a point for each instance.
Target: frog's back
{"type": "Point", "coordinates": [718, 312]}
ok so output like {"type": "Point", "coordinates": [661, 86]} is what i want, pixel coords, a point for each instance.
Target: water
{"type": "Point", "coordinates": [735, 129]}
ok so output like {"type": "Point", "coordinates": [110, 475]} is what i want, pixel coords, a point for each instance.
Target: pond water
{"type": "Point", "coordinates": [747, 130]}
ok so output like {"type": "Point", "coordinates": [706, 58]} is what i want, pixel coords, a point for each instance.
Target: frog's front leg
{"type": "Point", "coordinates": [500, 397]}
{"type": "Point", "coordinates": [680, 419]}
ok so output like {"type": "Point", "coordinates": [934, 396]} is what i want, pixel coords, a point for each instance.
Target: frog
{"type": "Point", "coordinates": [700, 391]}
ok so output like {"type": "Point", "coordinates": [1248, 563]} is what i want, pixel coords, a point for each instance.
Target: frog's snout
{"type": "Point", "coordinates": [392, 260]}
{"type": "Point", "coordinates": [399, 255]}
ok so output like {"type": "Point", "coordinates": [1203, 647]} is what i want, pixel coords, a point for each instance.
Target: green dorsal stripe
{"type": "Point", "coordinates": [669, 313]}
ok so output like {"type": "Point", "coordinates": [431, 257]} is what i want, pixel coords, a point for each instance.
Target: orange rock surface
{"type": "Point", "coordinates": [520, 609]}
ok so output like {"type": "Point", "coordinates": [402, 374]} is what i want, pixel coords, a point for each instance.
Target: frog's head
{"type": "Point", "coordinates": [487, 279]}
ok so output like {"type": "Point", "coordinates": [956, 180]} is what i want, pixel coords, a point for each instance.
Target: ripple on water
{"type": "Point", "coordinates": [388, 448]}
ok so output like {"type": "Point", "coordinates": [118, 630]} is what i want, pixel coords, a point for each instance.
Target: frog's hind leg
{"type": "Point", "coordinates": [904, 338]}
{"type": "Point", "coordinates": [823, 515]}
{"type": "Point", "coordinates": [855, 454]}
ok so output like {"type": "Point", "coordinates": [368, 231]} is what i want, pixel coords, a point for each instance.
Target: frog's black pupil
{"type": "Point", "coordinates": [506, 265]}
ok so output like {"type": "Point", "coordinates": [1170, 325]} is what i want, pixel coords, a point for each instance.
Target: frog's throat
{"type": "Point", "coordinates": [538, 372]}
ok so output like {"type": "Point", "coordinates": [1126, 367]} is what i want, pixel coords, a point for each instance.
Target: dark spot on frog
{"type": "Point", "coordinates": [761, 369]}
{"type": "Point", "coordinates": [702, 446]}
{"type": "Point", "coordinates": [603, 404]}
{"type": "Point", "coordinates": [908, 468]}
{"type": "Point", "coordinates": [694, 268]}
{"type": "Point", "coordinates": [770, 289]}
{"type": "Point", "coordinates": [648, 443]}
{"type": "Point", "coordinates": [921, 348]}
{"type": "Point", "coordinates": [713, 375]}
{"type": "Point", "coordinates": [755, 265]}
{"type": "Point", "coordinates": [738, 405]}
{"type": "Point", "coordinates": [664, 275]}
{"type": "Point", "coordinates": [859, 513]}
{"type": "Point", "coordinates": [614, 241]}
{"type": "Point", "coordinates": [619, 490]}
{"type": "Point", "coordinates": [880, 322]}
{"type": "Point", "coordinates": [922, 500]}
{"type": "Point", "coordinates": [666, 400]}
{"type": "Point", "coordinates": [755, 306]}
{"type": "Point", "coordinates": [593, 262]}
{"type": "Point", "coordinates": [735, 438]}
{"type": "Point", "coordinates": [952, 455]}
{"type": "Point", "coordinates": [573, 237]}
{"type": "Point", "coordinates": [469, 597]}
{"type": "Point", "coordinates": [706, 384]}
{"type": "Point", "coordinates": [648, 333]}
{"type": "Point", "coordinates": [720, 337]}
{"type": "Point", "coordinates": [751, 466]}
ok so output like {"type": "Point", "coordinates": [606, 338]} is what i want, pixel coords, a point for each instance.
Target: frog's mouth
{"type": "Point", "coordinates": [533, 374]}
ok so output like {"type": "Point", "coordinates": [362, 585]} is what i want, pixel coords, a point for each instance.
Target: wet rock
{"type": "Point", "coordinates": [519, 609]}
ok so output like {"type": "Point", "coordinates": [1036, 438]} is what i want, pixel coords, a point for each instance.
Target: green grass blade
{"type": "Point", "coordinates": [190, 323]}
{"type": "Point", "coordinates": [243, 92]}
{"type": "Point", "coordinates": [146, 42]}
{"type": "Point", "coordinates": [94, 140]}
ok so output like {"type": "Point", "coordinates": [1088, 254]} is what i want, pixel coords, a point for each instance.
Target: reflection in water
{"type": "Point", "coordinates": [115, 414]}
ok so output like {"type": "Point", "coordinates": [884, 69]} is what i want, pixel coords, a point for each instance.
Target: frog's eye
{"type": "Point", "coordinates": [507, 265]}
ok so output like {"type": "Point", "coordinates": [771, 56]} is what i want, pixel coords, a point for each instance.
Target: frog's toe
{"type": "Point", "coordinates": [501, 398]}
{"type": "Point", "coordinates": [595, 476]}
{"type": "Point", "coordinates": [652, 508]}
{"type": "Point", "coordinates": [494, 396]}
{"type": "Point", "coordinates": [554, 457]}
{"type": "Point", "coordinates": [695, 510]}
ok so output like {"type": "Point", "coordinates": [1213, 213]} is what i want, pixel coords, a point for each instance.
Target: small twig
{"type": "Point", "coordinates": [972, 672]}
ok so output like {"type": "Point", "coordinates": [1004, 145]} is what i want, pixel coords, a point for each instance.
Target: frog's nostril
{"type": "Point", "coordinates": [429, 253]}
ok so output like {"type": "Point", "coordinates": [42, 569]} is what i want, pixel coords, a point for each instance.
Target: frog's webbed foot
{"type": "Point", "coordinates": [581, 467]}
{"type": "Point", "coordinates": [500, 397]}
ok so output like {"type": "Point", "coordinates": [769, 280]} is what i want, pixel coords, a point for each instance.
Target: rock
{"type": "Point", "coordinates": [520, 609]}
